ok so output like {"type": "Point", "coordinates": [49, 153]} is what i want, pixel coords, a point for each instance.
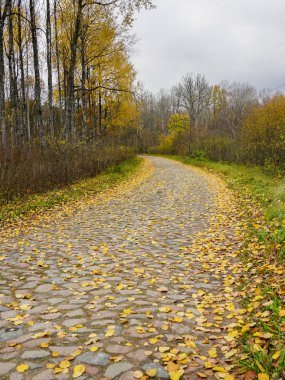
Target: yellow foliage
{"type": "Point", "coordinates": [263, 132]}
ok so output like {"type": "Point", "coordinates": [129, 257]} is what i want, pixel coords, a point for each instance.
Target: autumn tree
{"type": "Point", "coordinates": [79, 9]}
{"type": "Point", "coordinates": [4, 11]}
{"type": "Point", "coordinates": [67, 89]}
{"type": "Point", "coordinates": [263, 133]}
{"type": "Point", "coordinates": [178, 123]}
{"type": "Point", "coordinates": [193, 94]}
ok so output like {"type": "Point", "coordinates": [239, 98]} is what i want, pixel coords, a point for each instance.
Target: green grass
{"type": "Point", "coordinates": [35, 203]}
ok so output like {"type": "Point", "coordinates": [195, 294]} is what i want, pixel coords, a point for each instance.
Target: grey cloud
{"type": "Point", "coordinates": [235, 40]}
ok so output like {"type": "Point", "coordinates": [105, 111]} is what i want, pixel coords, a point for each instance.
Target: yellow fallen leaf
{"type": "Point", "coordinates": [220, 369]}
{"type": "Point", "coordinates": [94, 349]}
{"type": "Point", "coordinates": [57, 370]}
{"type": "Point", "coordinates": [260, 367]}
{"type": "Point", "coordinates": [165, 309]}
{"type": "Point", "coordinates": [231, 353]}
{"type": "Point", "coordinates": [41, 334]}
{"type": "Point", "coordinates": [263, 335]}
{"type": "Point", "coordinates": [175, 373]}
{"type": "Point", "coordinates": [22, 368]}
{"type": "Point", "coordinates": [64, 364]}
{"type": "Point", "coordinates": [151, 372]}
{"type": "Point", "coordinates": [263, 376]}
{"type": "Point", "coordinates": [110, 332]}
{"type": "Point", "coordinates": [190, 343]}
{"type": "Point", "coordinates": [76, 327]}
{"type": "Point", "coordinates": [76, 353]}
{"type": "Point", "coordinates": [78, 370]}
{"type": "Point", "coordinates": [44, 345]}
{"type": "Point", "coordinates": [276, 355]}
{"type": "Point", "coordinates": [138, 270]}
{"type": "Point", "coordinates": [25, 307]}
{"type": "Point", "coordinates": [282, 313]}
{"type": "Point", "coordinates": [177, 319]}
{"type": "Point", "coordinates": [202, 375]}
{"type": "Point", "coordinates": [233, 333]}
{"type": "Point", "coordinates": [208, 365]}
{"type": "Point", "coordinates": [127, 312]}
{"type": "Point", "coordinates": [245, 328]}
{"type": "Point", "coordinates": [230, 307]}
{"type": "Point", "coordinates": [213, 352]}
{"type": "Point", "coordinates": [229, 377]}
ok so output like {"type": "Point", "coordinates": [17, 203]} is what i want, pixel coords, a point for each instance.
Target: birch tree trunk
{"type": "Point", "coordinates": [14, 97]}
{"type": "Point", "coordinates": [70, 106]}
{"type": "Point", "coordinates": [3, 16]}
{"type": "Point", "coordinates": [57, 61]}
{"type": "Point", "coordinates": [49, 67]}
{"type": "Point", "coordinates": [83, 89]}
{"type": "Point", "coordinates": [23, 84]}
{"type": "Point", "coordinates": [33, 25]}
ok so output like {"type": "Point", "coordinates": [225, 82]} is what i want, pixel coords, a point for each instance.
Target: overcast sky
{"type": "Point", "coordinates": [234, 40]}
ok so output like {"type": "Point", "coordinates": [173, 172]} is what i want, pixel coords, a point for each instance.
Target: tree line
{"type": "Point", "coordinates": [67, 89]}
{"type": "Point", "coordinates": [63, 62]}
{"type": "Point", "coordinates": [229, 121]}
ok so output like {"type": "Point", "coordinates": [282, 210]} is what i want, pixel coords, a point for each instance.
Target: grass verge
{"type": "Point", "coordinates": [35, 203]}
{"type": "Point", "coordinates": [262, 287]}
{"type": "Point", "coordinates": [266, 187]}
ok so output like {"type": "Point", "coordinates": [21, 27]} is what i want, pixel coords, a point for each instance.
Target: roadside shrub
{"type": "Point", "coordinates": [34, 168]}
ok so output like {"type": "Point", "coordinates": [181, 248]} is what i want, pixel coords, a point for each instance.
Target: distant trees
{"type": "Point", "coordinates": [241, 100]}
{"type": "Point", "coordinates": [194, 94]}
{"type": "Point", "coordinates": [154, 114]}
{"type": "Point", "coordinates": [228, 121]}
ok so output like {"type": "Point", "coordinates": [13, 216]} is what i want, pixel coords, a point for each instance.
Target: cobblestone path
{"type": "Point", "coordinates": [122, 287]}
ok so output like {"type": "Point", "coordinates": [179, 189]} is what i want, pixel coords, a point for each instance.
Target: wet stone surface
{"type": "Point", "coordinates": [117, 278]}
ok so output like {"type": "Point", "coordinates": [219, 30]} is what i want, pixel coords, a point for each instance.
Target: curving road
{"type": "Point", "coordinates": [117, 287]}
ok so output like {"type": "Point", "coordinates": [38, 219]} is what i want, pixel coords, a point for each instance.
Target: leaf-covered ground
{"type": "Point", "coordinates": [144, 281]}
